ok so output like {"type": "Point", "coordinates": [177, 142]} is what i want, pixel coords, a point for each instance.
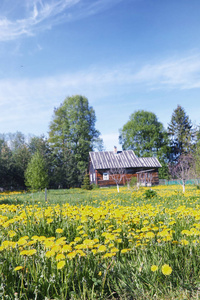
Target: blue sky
{"type": "Point", "coordinates": [123, 55]}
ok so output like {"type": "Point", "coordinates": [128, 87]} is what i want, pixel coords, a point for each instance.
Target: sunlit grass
{"type": "Point", "coordinates": [100, 244]}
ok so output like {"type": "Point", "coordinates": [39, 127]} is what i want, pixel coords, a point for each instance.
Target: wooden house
{"type": "Point", "coordinates": [118, 167]}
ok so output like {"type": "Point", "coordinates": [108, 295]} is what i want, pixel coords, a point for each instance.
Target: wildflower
{"type": "Point", "coordinates": [154, 268]}
{"type": "Point", "coordinates": [66, 248]}
{"type": "Point", "coordinates": [50, 253]}
{"type": "Point", "coordinates": [102, 248]}
{"type": "Point", "coordinates": [166, 269]}
{"type": "Point", "coordinates": [125, 250]}
{"type": "Point", "coordinates": [31, 252]}
{"type": "Point", "coordinates": [71, 255]}
{"type": "Point", "coordinates": [61, 264]}
{"type": "Point", "coordinates": [18, 268]}
{"type": "Point", "coordinates": [60, 256]}
{"type": "Point", "coordinates": [59, 230]}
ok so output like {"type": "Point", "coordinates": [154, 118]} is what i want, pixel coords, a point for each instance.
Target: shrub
{"type": "Point", "coordinates": [86, 183]}
{"type": "Point", "coordinates": [150, 194]}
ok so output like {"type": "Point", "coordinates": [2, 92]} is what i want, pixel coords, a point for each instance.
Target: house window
{"type": "Point", "coordinates": [105, 176]}
{"type": "Point", "coordinates": [90, 177]}
{"type": "Point", "coordinates": [94, 176]}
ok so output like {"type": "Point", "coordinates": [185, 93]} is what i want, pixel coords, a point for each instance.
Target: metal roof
{"type": "Point", "coordinates": [123, 159]}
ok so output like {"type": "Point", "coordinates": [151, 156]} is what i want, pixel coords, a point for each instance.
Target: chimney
{"type": "Point", "coordinates": [115, 150]}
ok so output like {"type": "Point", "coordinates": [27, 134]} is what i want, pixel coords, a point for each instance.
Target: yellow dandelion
{"type": "Point", "coordinates": [71, 255]}
{"type": "Point", "coordinates": [60, 256]}
{"type": "Point", "coordinates": [18, 268]}
{"type": "Point", "coordinates": [31, 252]}
{"type": "Point", "coordinates": [166, 269]}
{"type": "Point", "coordinates": [50, 253]}
{"type": "Point", "coordinates": [125, 250]}
{"type": "Point", "coordinates": [66, 248]}
{"type": "Point", "coordinates": [102, 248]}
{"type": "Point", "coordinates": [59, 230]}
{"type": "Point", "coordinates": [61, 264]}
{"type": "Point", "coordinates": [154, 268]}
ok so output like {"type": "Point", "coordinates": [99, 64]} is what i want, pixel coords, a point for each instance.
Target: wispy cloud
{"type": "Point", "coordinates": [179, 74]}
{"type": "Point", "coordinates": [182, 73]}
{"type": "Point", "coordinates": [31, 16]}
{"type": "Point", "coordinates": [23, 100]}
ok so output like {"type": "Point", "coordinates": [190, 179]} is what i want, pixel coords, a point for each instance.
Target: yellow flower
{"type": "Point", "coordinates": [125, 250]}
{"type": "Point", "coordinates": [102, 248]}
{"type": "Point", "coordinates": [18, 268]}
{"type": "Point", "coordinates": [71, 254]}
{"type": "Point", "coordinates": [59, 230]}
{"type": "Point", "coordinates": [154, 268]}
{"type": "Point", "coordinates": [60, 256]}
{"type": "Point", "coordinates": [66, 248]}
{"type": "Point", "coordinates": [31, 252]}
{"type": "Point", "coordinates": [50, 253]}
{"type": "Point", "coordinates": [61, 264]}
{"type": "Point", "coordinates": [166, 269]}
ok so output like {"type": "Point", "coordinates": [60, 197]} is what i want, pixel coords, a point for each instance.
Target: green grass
{"type": "Point", "coordinates": [120, 221]}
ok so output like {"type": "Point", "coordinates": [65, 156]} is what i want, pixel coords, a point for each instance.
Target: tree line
{"type": "Point", "coordinates": [177, 147]}
{"type": "Point", "coordinates": [61, 159]}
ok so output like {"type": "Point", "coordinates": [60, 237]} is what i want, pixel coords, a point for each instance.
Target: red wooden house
{"type": "Point", "coordinates": [105, 167]}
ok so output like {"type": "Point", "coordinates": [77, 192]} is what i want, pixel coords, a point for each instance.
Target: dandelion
{"type": "Point", "coordinates": [102, 248]}
{"type": "Point", "coordinates": [61, 264]}
{"type": "Point", "coordinates": [59, 230]}
{"type": "Point", "coordinates": [60, 256]}
{"type": "Point", "coordinates": [18, 268]}
{"type": "Point", "coordinates": [154, 268]}
{"type": "Point", "coordinates": [166, 269]}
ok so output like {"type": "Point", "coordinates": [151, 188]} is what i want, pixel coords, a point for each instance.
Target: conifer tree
{"type": "Point", "coordinates": [181, 133]}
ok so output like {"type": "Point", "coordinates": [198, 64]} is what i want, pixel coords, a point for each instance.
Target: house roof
{"type": "Point", "coordinates": [123, 159]}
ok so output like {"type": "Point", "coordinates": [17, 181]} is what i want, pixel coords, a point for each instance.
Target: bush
{"type": "Point", "coordinates": [86, 183]}
{"type": "Point", "coordinates": [150, 194]}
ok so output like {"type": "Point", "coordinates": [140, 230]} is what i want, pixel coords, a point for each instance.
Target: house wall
{"type": "Point", "coordinates": [129, 174]}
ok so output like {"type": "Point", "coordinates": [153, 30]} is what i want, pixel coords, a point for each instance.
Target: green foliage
{"type": "Point", "coordinates": [144, 134]}
{"type": "Point", "coordinates": [86, 183]}
{"type": "Point", "coordinates": [36, 173]}
{"type": "Point", "coordinates": [181, 132]}
{"type": "Point", "coordinates": [72, 135]}
{"type": "Point", "coordinates": [150, 194]}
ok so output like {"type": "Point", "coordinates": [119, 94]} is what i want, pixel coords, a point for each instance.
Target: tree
{"type": "Point", "coordinates": [117, 175]}
{"type": "Point", "coordinates": [72, 133]}
{"type": "Point", "coordinates": [36, 173]}
{"type": "Point", "coordinates": [183, 169]}
{"type": "Point", "coordinates": [181, 133]}
{"type": "Point", "coordinates": [146, 136]}
{"type": "Point", "coordinates": [86, 183]}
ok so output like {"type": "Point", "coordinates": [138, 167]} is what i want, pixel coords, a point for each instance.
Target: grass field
{"type": "Point", "coordinates": [100, 244]}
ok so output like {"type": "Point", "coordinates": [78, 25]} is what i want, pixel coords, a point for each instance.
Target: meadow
{"type": "Point", "coordinates": [100, 244]}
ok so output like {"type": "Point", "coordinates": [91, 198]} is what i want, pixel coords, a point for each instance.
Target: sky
{"type": "Point", "coordinates": [123, 55]}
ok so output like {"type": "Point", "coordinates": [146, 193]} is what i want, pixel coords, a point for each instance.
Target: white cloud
{"type": "Point", "coordinates": [183, 73]}
{"type": "Point", "coordinates": [36, 15]}
{"type": "Point", "coordinates": [29, 103]}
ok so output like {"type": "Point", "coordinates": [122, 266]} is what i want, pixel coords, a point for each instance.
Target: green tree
{"type": "Point", "coordinates": [36, 173]}
{"type": "Point", "coordinates": [144, 134]}
{"type": "Point", "coordinates": [181, 133]}
{"type": "Point", "coordinates": [73, 134]}
{"type": "Point", "coordinates": [86, 182]}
